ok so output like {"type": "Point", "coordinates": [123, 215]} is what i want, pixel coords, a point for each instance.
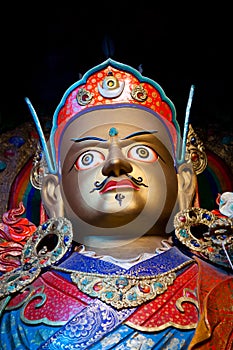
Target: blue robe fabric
{"type": "Point", "coordinates": [98, 325]}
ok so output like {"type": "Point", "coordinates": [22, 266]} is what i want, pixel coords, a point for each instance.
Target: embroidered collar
{"type": "Point", "coordinates": [124, 288]}
{"type": "Point", "coordinates": [159, 264]}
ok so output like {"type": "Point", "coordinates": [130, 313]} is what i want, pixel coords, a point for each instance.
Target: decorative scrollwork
{"type": "Point", "coordinates": [84, 97]}
{"type": "Point", "coordinates": [46, 246]}
{"type": "Point", "coordinates": [38, 169]}
{"type": "Point", "coordinates": [139, 93]}
{"type": "Point", "coordinates": [207, 234]}
{"type": "Point", "coordinates": [196, 150]}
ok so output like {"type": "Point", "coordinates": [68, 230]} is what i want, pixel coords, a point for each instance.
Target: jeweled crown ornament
{"type": "Point", "coordinates": [110, 84]}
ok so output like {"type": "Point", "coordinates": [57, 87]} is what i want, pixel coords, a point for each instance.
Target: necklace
{"type": "Point", "coordinates": [119, 287]}
{"type": "Point", "coordinates": [123, 290]}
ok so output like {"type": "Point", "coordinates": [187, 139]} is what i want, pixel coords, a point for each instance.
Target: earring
{"type": "Point", "coordinates": [38, 169]}
{"type": "Point", "coordinates": [206, 234]}
{"type": "Point", "coordinates": [47, 245]}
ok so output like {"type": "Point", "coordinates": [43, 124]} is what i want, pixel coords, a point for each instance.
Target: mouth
{"type": "Point", "coordinates": [113, 185]}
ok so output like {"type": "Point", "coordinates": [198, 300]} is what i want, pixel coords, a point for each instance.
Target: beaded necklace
{"type": "Point", "coordinates": [119, 287]}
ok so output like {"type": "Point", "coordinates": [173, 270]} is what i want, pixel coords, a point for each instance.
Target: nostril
{"type": "Point", "coordinates": [116, 167]}
{"type": "Point", "coordinates": [115, 173]}
{"type": "Point", "coordinates": [128, 167]}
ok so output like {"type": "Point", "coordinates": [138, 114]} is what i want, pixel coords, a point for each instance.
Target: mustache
{"type": "Point", "coordinates": [99, 185]}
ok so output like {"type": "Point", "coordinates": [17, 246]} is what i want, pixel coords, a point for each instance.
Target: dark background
{"type": "Point", "coordinates": [45, 47]}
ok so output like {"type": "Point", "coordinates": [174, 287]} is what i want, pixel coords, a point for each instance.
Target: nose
{"type": "Point", "coordinates": [116, 164]}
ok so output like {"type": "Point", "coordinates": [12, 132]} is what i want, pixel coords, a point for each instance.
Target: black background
{"type": "Point", "coordinates": [44, 48]}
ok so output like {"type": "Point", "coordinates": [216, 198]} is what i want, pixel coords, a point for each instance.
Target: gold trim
{"type": "Point", "coordinates": [218, 234]}
{"type": "Point", "coordinates": [84, 97]}
{"type": "Point", "coordinates": [123, 291]}
{"type": "Point", "coordinates": [160, 328]}
{"type": "Point", "coordinates": [178, 304]}
{"type": "Point", "coordinates": [196, 150]}
{"type": "Point", "coordinates": [139, 93]}
{"type": "Point", "coordinates": [46, 246]}
{"type": "Point", "coordinates": [38, 169]}
{"type": "Point", "coordinates": [184, 299]}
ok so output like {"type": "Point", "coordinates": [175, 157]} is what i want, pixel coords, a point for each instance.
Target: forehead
{"type": "Point", "coordinates": [127, 120]}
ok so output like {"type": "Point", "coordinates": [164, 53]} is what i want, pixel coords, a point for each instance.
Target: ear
{"type": "Point", "coordinates": [51, 196]}
{"type": "Point", "coordinates": [187, 184]}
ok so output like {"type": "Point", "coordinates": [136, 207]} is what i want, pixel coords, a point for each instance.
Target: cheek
{"type": "Point", "coordinates": [171, 187]}
{"type": "Point", "coordinates": [162, 182]}
{"type": "Point", "coordinates": [78, 187]}
{"type": "Point", "coordinates": [157, 190]}
{"type": "Point", "coordinates": [152, 175]}
{"type": "Point", "coordinates": [70, 188]}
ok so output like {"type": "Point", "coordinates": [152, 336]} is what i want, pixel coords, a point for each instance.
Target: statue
{"type": "Point", "coordinates": [104, 269]}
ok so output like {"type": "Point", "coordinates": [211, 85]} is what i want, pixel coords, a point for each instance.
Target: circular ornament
{"type": "Point", "coordinates": [84, 97]}
{"type": "Point", "coordinates": [47, 245]}
{"type": "Point", "coordinates": [110, 82]}
{"type": "Point", "coordinates": [139, 93]}
{"type": "Point", "coordinates": [205, 233]}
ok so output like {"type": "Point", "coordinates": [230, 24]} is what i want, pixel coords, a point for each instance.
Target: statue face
{"type": "Point", "coordinates": [117, 176]}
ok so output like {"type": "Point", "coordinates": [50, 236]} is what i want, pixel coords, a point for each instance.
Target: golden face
{"type": "Point", "coordinates": [118, 175]}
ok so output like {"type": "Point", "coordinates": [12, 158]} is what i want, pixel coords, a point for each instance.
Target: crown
{"type": "Point", "coordinates": [107, 85]}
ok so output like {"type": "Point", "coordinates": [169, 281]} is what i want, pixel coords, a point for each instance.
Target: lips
{"type": "Point", "coordinates": [113, 185]}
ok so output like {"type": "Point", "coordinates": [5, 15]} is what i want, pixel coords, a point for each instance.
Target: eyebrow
{"type": "Point", "coordinates": [138, 133]}
{"type": "Point", "coordinates": [88, 138]}
{"type": "Point", "coordinates": [94, 138]}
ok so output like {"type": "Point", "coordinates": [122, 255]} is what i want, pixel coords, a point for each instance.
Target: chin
{"type": "Point", "coordinates": [112, 218]}
{"type": "Point", "coordinates": [108, 211]}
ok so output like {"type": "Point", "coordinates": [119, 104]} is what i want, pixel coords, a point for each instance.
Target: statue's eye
{"type": "Point", "coordinates": [89, 159]}
{"type": "Point", "coordinates": [143, 153]}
